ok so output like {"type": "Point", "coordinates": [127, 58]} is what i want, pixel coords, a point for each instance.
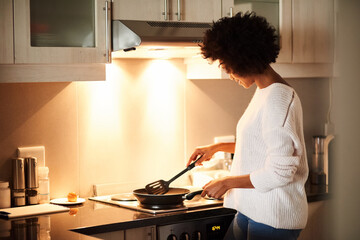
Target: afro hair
{"type": "Point", "coordinates": [244, 44]}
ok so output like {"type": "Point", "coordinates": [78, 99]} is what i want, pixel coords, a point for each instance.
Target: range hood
{"type": "Point", "coordinates": [129, 34]}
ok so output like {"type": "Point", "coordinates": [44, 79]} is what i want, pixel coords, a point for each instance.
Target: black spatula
{"type": "Point", "coordinates": [162, 186]}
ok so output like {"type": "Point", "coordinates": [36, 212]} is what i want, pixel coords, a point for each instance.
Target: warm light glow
{"type": "Point", "coordinates": [158, 52]}
{"type": "Point", "coordinates": [162, 95]}
{"type": "Point", "coordinates": [104, 112]}
{"type": "Point", "coordinates": [135, 117]}
{"type": "Point", "coordinates": [150, 101]}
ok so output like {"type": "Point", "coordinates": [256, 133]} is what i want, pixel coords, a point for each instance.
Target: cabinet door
{"type": "Point", "coordinates": [145, 233]}
{"type": "Point", "coordinates": [6, 32]}
{"type": "Point", "coordinates": [116, 235]}
{"type": "Point", "coordinates": [60, 31]}
{"type": "Point", "coordinates": [313, 31]}
{"type": "Point", "coordinates": [155, 10]}
{"type": "Point", "coordinates": [285, 37]}
{"type": "Point", "coordinates": [278, 14]}
{"type": "Point", "coordinates": [195, 10]}
{"type": "Point", "coordinates": [227, 8]}
{"type": "Point", "coordinates": [151, 10]}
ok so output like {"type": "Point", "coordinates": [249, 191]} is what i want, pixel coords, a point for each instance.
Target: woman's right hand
{"type": "Point", "coordinates": [205, 151]}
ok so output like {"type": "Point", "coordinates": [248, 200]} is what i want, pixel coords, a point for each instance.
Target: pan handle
{"type": "Point", "coordinates": [192, 194]}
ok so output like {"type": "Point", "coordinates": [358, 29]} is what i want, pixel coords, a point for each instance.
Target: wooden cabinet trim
{"type": "Point", "coordinates": [6, 32]}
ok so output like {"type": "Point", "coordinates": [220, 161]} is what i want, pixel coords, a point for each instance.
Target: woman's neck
{"type": "Point", "coordinates": [268, 77]}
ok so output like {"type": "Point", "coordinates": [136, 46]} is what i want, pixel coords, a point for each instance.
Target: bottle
{"type": "Point", "coordinates": [44, 185]}
{"type": "Point", "coordinates": [5, 196]}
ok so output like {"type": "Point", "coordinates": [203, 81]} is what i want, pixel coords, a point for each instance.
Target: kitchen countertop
{"type": "Point", "coordinates": [94, 217]}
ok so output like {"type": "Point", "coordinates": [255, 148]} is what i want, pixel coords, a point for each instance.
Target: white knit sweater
{"type": "Point", "coordinates": [270, 147]}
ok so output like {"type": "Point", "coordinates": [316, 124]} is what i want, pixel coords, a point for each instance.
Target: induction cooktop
{"type": "Point", "coordinates": [127, 201]}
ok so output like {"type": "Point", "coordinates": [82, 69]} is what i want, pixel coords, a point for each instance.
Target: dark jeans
{"type": "Point", "coordinates": [243, 228]}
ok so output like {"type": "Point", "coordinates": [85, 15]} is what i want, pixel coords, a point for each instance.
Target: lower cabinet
{"type": "Point", "coordinates": [116, 235]}
{"type": "Point", "coordinates": [319, 221]}
{"type": "Point", "coordinates": [143, 233]}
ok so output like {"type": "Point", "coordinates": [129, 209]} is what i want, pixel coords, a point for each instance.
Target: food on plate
{"type": "Point", "coordinates": [72, 197]}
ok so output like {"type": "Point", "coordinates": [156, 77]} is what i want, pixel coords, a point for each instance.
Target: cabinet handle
{"type": "Point", "coordinates": [107, 32]}
{"type": "Point", "coordinates": [165, 13]}
{"type": "Point", "coordinates": [231, 12]}
{"type": "Point", "coordinates": [153, 233]}
{"type": "Point", "coordinates": [179, 10]}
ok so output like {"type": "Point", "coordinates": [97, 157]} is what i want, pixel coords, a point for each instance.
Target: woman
{"type": "Point", "coordinates": [269, 170]}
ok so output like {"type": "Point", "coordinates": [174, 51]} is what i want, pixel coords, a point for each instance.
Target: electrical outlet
{"type": "Point", "coordinates": [38, 152]}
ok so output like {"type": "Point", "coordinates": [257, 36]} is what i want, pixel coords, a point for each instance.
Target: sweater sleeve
{"type": "Point", "coordinates": [281, 162]}
{"type": "Point", "coordinates": [281, 141]}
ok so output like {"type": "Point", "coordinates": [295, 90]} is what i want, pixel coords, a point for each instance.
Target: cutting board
{"type": "Point", "coordinates": [31, 210]}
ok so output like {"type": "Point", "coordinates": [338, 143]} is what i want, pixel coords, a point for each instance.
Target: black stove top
{"type": "Point", "coordinates": [196, 203]}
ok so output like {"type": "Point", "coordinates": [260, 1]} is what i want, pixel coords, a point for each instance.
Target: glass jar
{"type": "Point", "coordinates": [5, 195]}
{"type": "Point", "coordinates": [44, 185]}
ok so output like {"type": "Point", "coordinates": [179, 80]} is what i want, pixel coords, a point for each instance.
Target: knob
{"type": "Point", "coordinates": [196, 236]}
{"type": "Point", "coordinates": [184, 236]}
{"type": "Point", "coordinates": [171, 237]}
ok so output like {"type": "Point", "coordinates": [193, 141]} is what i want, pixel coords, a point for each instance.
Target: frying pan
{"type": "Point", "coordinates": [174, 198]}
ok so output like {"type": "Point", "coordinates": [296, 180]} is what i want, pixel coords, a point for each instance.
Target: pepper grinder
{"type": "Point", "coordinates": [31, 180]}
{"type": "Point", "coordinates": [18, 182]}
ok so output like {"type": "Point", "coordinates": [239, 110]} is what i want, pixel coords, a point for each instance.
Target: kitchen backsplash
{"type": "Point", "coordinates": [138, 126]}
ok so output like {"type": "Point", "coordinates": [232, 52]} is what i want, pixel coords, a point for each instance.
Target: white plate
{"type": "Point", "coordinates": [64, 201]}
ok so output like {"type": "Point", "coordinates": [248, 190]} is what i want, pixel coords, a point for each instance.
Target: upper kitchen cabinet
{"type": "Point", "coordinates": [6, 32]}
{"type": "Point", "coordinates": [278, 13]}
{"type": "Point", "coordinates": [305, 27]}
{"type": "Point", "coordinates": [313, 31]}
{"type": "Point", "coordinates": [306, 37]}
{"type": "Point", "coordinates": [168, 10]}
{"type": "Point", "coordinates": [196, 10]}
{"type": "Point", "coordinates": [139, 10]}
{"type": "Point", "coordinates": [61, 32]}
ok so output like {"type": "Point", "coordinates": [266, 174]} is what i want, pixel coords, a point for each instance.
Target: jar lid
{"type": "Point", "coordinates": [4, 184]}
{"type": "Point", "coordinates": [43, 172]}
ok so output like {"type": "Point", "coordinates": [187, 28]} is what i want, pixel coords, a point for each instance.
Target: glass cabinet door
{"type": "Point", "coordinates": [65, 23]}
{"type": "Point", "coordinates": [61, 31]}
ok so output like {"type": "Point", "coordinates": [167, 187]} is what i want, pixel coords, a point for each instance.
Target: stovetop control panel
{"type": "Point", "coordinates": [213, 228]}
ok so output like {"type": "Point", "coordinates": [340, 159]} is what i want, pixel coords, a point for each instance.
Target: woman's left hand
{"type": "Point", "coordinates": [215, 188]}
{"type": "Point", "coordinates": [218, 187]}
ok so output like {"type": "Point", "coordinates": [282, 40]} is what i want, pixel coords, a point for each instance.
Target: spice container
{"type": "Point", "coordinates": [5, 196]}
